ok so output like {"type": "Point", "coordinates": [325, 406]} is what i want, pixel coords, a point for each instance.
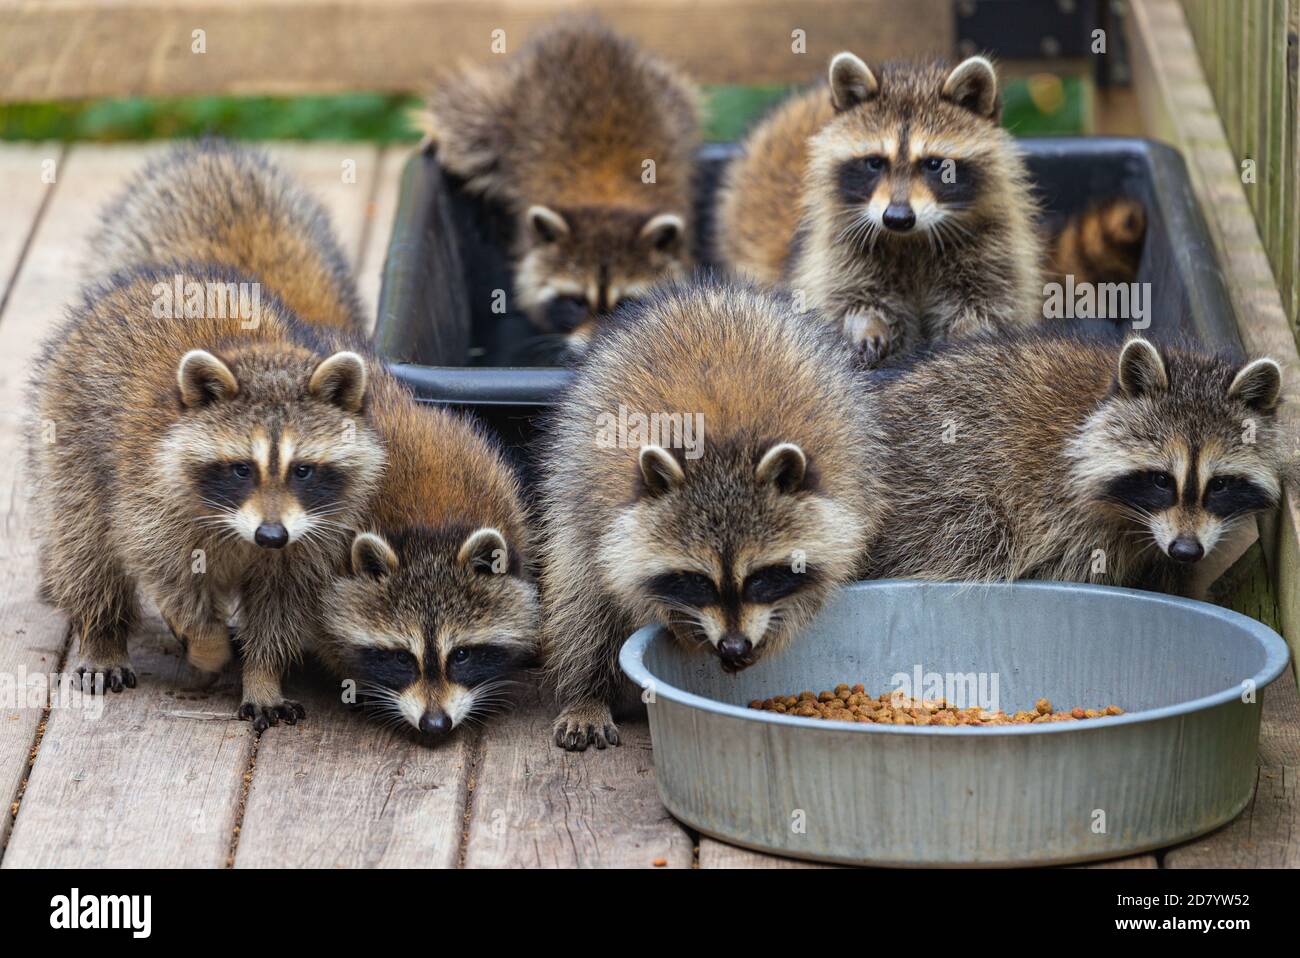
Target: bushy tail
{"type": "Point", "coordinates": [1103, 244]}
{"type": "Point", "coordinates": [211, 201]}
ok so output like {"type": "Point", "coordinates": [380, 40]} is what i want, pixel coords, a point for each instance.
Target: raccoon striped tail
{"type": "Point", "coordinates": [1103, 244]}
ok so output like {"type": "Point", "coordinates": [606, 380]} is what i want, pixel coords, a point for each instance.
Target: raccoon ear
{"type": "Point", "coordinates": [203, 378]}
{"type": "Point", "coordinates": [784, 465]}
{"type": "Point", "coordinates": [1258, 385]}
{"type": "Point", "coordinates": [852, 82]}
{"type": "Point", "coordinates": [485, 550]}
{"type": "Point", "coordinates": [341, 379]}
{"type": "Point", "coordinates": [973, 85]}
{"type": "Point", "coordinates": [547, 225]}
{"type": "Point", "coordinates": [372, 556]}
{"type": "Point", "coordinates": [659, 470]}
{"type": "Point", "coordinates": [664, 231]}
{"type": "Point", "coordinates": [1141, 370]}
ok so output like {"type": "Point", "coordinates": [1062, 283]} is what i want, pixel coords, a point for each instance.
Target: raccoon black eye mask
{"type": "Point", "coordinates": [763, 587]}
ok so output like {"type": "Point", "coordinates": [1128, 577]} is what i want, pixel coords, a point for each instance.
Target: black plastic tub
{"type": "Point", "coordinates": [448, 256]}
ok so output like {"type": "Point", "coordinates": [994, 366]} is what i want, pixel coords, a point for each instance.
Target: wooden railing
{"type": "Point", "coordinates": [1248, 49]}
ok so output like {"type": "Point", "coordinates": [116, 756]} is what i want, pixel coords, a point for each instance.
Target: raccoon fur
{"type": "Point", "coordinates": [561, 136]}
{"type": "Point", "coordinates": [893, 202]}
{"type": "Point", "coordinates": [213, 202]}
{"type": "Point", "coordinates": [1053, 457]}
{"type": "Point", "coordinates": [1103, 244]}
{"type": "Point", "coordinates": [732, 533]}
{"type": "Point", "coordinates": [435, 611]}
{"type": "Point", "coordinates": [208, 452]}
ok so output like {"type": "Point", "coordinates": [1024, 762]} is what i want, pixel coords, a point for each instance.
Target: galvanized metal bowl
{"type": "Point", "coordinates": [1178, 763]}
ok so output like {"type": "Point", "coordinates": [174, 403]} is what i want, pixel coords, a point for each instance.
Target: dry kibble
{"type": "Point", "coordinates": [852, 704]}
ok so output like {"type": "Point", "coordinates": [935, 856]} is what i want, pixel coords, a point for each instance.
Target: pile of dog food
{"type": "Point", "coordinates": [851, 704]}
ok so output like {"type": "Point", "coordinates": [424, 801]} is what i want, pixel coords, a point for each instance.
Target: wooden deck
{"type": "Point", "coordinates": [167, 776]}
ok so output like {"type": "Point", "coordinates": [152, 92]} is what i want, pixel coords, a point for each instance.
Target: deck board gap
{"type": "Point", "coordinates": [10, 281]}
{"type": "Point", "coordinates": [15, 806]}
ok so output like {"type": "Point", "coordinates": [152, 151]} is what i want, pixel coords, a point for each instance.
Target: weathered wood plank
{"type": "Point", "coordinates": [135, 783]}
{"type": "Point", "coordinates": [23, 169]}
{"type": "Point", "coordinates": [30, 640]}
{"type": "Point", "coordinates": [535, 805]}
{"type": "Point", "coordinates": [379, 226]}
{"type": "Point", "coordinates": [716, 854]}
{"type": "Point", "coordinates": [75, 48]}
{"type": "Point", "coordinates": [341, 791]}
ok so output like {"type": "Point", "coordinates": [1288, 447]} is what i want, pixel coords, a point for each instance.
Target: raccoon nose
{"type": "Point", "coordinates": [271, 535]}
{"type": "Point", "coordinates": [735, 651]}
{"type": "Point", "coordinates": [1186, 549]}
{"type": "Point", "coordinates": [435, 722]}
{"type": "Point", "coordinates": [899, 217]}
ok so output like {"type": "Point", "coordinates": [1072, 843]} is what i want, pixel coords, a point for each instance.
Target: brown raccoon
{"type": "Point", "coordinates": [215, 203]}
{"type": "Point", "coordinates": [734, 533]}
{"type": "Point", "coordinates": [208, 451]}
{"type": "Point", "coordinates": [1103, 244]}
{"type": "Point", "coordinates": [892, 202]}
{"type": "Point", "coordinates": [435, 611]}
{"type": "Point", "coordinates": [210, 464]}
{"type": "Point", "coordinates": [1051, 457]}
{"type": "Point", "coordinates": [561, 134]}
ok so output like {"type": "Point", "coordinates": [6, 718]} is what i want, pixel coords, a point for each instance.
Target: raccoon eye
{"type": "Point", "coordinates": [874, 163]}
{"type": "Point", "coordinates": [686, 588]}
{"type": "Point", "coordinates": [933, 164]}
{"type": "Point", "coordinates": [1218, 484]}
{"type": "Point", "coordinates": [302, 471]}
{"type": "Point", "coordinates": [242, 470]}
{"type": "Point", "coordinates": [1162, 480]}
{"type": "Point", "coordinates": [773, 583]}
{"type": "Point", "coordinates": [460, 656]}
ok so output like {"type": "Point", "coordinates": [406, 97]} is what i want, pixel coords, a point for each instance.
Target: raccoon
{"type": "Point", "coordinates": [589, 143]}
{"type": "Point", "coordinates": [436, 610]}
{"type": "Point", "coordinates": [1103, 244]}
{"type": "Point", "coordinates": [1053, 457]}
{"type": "Point", "coordinates": [213, 202]}
{"type": "Point", "coordinates": [708, 469]}
{"type": "Point", "coordinates": [894, 203]}
{"type": "Point", "coordinates": [208, 452]}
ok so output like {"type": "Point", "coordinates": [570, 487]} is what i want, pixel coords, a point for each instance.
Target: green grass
{"type": "Point", "coordinates": [381, 117]}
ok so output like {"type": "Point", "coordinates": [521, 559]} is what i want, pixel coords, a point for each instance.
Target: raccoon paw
{"type": "Point", "coordinates": [264, 716]}
{"type": "Point", "coordinates": [869, 336]}
{"type": "Point", "coordinates": [96, 679]}
{"type": "Point", "coordinates": [576, 728]}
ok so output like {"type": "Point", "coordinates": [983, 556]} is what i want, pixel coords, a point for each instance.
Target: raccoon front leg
{"type": "Point", "coordinates": [582, 663]}
{"type": "Point", "coordinates": [877, 330]}
{"type": "Point", "coordinates": [102, 626]}
{"type": "Point", "coordinates": [270, 640]}
{"type": "Point", "coordinates": [263, 702]}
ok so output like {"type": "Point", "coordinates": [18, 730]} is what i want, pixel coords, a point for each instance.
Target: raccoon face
{"type": "Point", "coordinates": [279, 454]}
{"type": "Point", "coordinates": [734, 550]}
{"type": "Point", "coordinates": [578, 265]}
{"type": "Point", "coordinates": [432, 626]}
{"type": "Point", "coordinates": [1184, 447]}
{"type": "Point", "coordinates": [909, 154]}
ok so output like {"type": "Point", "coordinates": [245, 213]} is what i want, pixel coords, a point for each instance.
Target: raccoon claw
{"type": "Point", "coordinates": [95, 680]}
{"type": "Point", "coordinates": [869, 337]}
{"type": "Point", "coordinates": [574, 732]}
{"type": "Point", "coordinates": [264, 716]}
